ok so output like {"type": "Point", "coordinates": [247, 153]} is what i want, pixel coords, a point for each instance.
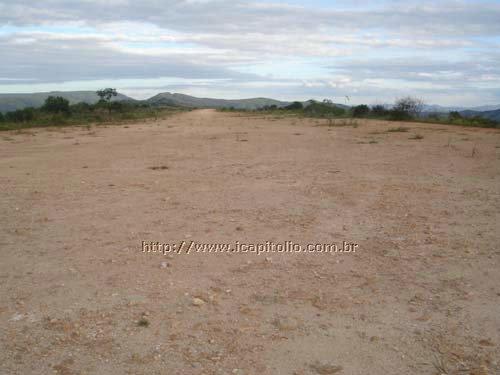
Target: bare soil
{"type": "Point", "coordinates": [421, 294]}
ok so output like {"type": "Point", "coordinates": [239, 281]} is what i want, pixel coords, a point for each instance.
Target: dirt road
{"type": "Point", "coordinates": [420, 295]}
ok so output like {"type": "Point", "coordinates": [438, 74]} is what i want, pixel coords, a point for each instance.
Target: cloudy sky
{"type": "Point", "coordinates": [445, 52]}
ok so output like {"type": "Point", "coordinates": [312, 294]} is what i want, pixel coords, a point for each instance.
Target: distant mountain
{"type": "Point", "coordinates": [484, 108]}
{"type": "Point", "coordinates": [11, 102]}
{"type": "Point", "coordinates": [170, 99]}
{"type": "Point", "coordinates": [491, 115]}
{"type": "Point", "coordinates": [432, 108]}
{"type": "Point", "coordinates": [307, 102]}
{"type": "Point", "coordinates": [183, 100]}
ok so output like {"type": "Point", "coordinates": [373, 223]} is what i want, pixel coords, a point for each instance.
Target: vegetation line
{"type": "Point", "coordinates": [57, 111]}
{"type": "Point", "coordinates": [405, 109]}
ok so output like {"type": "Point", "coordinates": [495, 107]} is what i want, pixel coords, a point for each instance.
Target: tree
{"type": "Point", "coordinates": [407, 108]}
{"type": "Point", "coordinates": [1, 117]}
{"type": "Point", "coordinates": [360, 110]}
{"type": "Point", "coordinates": [56, 104]}
{"type": "Point", "coordinates": [105, 95]}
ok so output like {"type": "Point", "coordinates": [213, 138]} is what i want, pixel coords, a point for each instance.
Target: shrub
{"type": "Point", "coordinates": [406, 108]}
{"type": "Point", "coordinates": [398, 130]}
{"type": "Point", "coordinates": [434, 116]}
{"type": "Point", "coordinates": [360, 110]}
{"type": "Point", "coordinates": [294, 106]}
{"type": "Point", "coordinates": [455, 115]}
{"type": "Point", "coordinates": [316, 109]}
{"type": "Point", "coordinates": [417, 137]}
{"type": "Point", "coordinates": [20, 115]}
{"type": "Point", "coordinates": [56, 104]}
{"type": "Point", "coordinates": [117, 106]}
{"type": "Point", "coordinates": [81, 107]}
{"type": "Point", "coordinates": [379, 111]}
{"type": "Point", "coordinates": [397, 115]}
{"type": "Point", "coordinates": [271, 107]}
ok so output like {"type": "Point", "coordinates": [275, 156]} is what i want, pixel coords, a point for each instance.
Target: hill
{"type": "Point", "coordinates": [11, 102]}
{"type": "Point", "coordinates": [191, 101]}
{"type": "Point", "coordinates": [491, 115]}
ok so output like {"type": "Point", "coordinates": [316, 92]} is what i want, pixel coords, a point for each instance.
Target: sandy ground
{"type": "Point", "coordinates": [420, 295]}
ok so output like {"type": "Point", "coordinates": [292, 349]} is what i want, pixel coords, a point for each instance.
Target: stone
{"type": "Point", "coordinates": [325, 368]}
{"type": "Point", "coordinates": [198, 302]}
{"type": "Point", "coordinates": [286, 324]}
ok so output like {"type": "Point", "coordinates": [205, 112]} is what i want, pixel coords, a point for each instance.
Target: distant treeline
{"type": "Point", "coordinates": [57, 111]}
{"type": "Point", "coordinates": [405, 109]}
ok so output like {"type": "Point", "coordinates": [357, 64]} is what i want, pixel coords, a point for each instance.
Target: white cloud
{"type": "Point", "coordinates": [396, 45]}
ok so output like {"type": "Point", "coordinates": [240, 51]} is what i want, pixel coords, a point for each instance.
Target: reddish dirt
{"type": "Point", "coordinates": [420, 295]}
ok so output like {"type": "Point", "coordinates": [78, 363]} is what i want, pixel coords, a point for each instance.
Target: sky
{"type": "Point", "coordinates": [444, 52]}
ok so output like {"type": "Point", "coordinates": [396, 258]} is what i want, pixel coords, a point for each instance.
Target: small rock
{"type": "Point", "coordinates": [17, 317]}
{"type": "Point", "coordinates": [134, 300]}
{"type": "Point", "coordinates": [486, 342]}
{"type": "Point", "coordinates": [286, 324]}
{"type": "Point", "coordinates": [325, 368]}
{"type": "Point", "coordinates": [198, 302]}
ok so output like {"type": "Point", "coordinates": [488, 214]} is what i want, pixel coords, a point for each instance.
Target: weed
{"type": "Point", "coordinates": [399, 129]}
{"type": "Point", "coordinates": [417, 136]}
{"type": "Point", "coordinates": [143, 322]}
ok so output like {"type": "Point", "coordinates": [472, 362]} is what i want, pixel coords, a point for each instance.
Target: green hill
{"type": "Point", "coordinates": [191, 101]}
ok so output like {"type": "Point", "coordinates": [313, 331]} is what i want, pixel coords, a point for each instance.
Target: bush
{"type": "Point", "coordinates": [117, 107]}
{"type": "Point", "coordinates": [294, 106]}
{"type": "Point", "coordinates": [398, 130]}
{"type": "Point", "coordinates": [271, 107]}
{"type": "Point", "coordinates": [455, 115]}
{"type": "Point", "coordinates": [406, 108]}
{"type": "Point", "coordinates": [379, 111]}
{"type": "Point", "coordinates": [316, 109]}
{"type": "Point", "coordinates": [56, 104]}
{"type": "Point", "coordinates": [20, 115]}
{"type": "Point", "coordinates": [397, 115]}
{"type": "Point", "coordinates": [360, 110]}
{"type": "Point", "coordinates": [81, 107]}
{"type": "Point", "coordinates": [58, 119]}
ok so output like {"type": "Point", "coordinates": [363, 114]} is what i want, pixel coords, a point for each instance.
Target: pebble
{"type": "Point", "coordinates": [198, 302]}
{"type": "Point", "coordinates": [286, 324]}
{"type": "Point", "coordinates": [134, 300]}
{"type": "Point", "coordinates": [325, 368]}
{"type": "Point", "coordinates": [17, 317]}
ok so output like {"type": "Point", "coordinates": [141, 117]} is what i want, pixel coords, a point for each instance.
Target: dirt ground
{"type": "Point", "coordinates": [420, 295]}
